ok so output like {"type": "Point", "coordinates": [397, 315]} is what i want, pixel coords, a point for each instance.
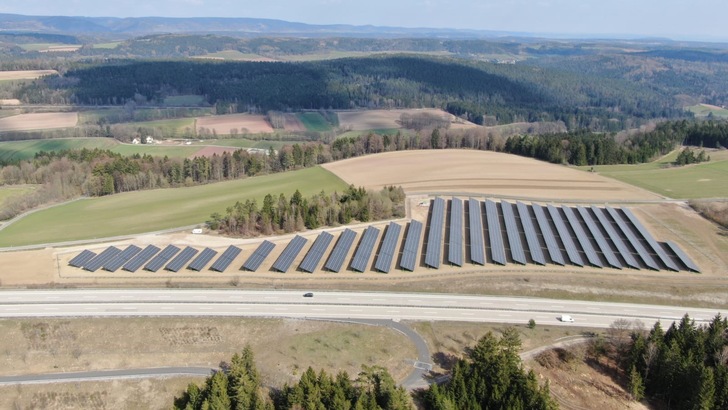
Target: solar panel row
{"type": "Point", "coordinates": [548, 235]}
{"type": "Point", "coordinates": [534, 246]}
{"type": "Point", "coordinates": [256, 259]}
{"type": "Point", "coordinates": [180, 260]}
{"type": "Point", "coordinates": [475, 226]}
{"type": "Point", "coordinates": [388, 248]}
{"type": "Point", "coordinates": [161, 259]}
{"type": "Point", "coordinates": [79, 260]}
{"type": "Point", "coordinates": [122, 258]}
{"type": "Point", "coordinates": [622, 248]}
{"type": "Point", "coordinates": [565, 236]}
{"type": "Point", "coordinates": [455, 249]}
{"type": "Point", "coordinates": [683, 257]}
{"type": "Point", "coordinates": [514, 237]}
{"type": "Point", "coordinates": [226, 259]}
{"type": "Point", "coordinates": [636, 244]}
{"type": "Point", "coordinates": [366, 245]}
{"type": "Point", "coordinates": [99, 260]}
{"type": "Point", "coordinates": [586, 245]}
{"type": "Point", "coordinates": [202, 259]}
{"type": "Point", "coordinates": [497, 250]}
{"type": "Point", "coordinates": [650, 240]}
{"type": "Point", "coordinates": [599, 238]}
{"type": "Point", "coordinates": [341, 249]}
{"type": "Point", "coordinates": [285, 260]}
{"type": "Point", "coordinates": [141, 258]}
{"type": "Point", "coordinates": [314, 255]}
{"type": "Point", "coordinates": [434, 238]}
{"type": "Point", "coordinates": [411, 246]}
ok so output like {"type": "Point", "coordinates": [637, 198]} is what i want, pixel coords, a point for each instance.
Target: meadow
{"type": "Point", "coordinates": [23, 150]}
{"type": "Point", "coordinates": [314, 121]}
{"type": "Point", "coordinates": [146, 211]}
{"type": "Point", "coordinates": [703, 110]}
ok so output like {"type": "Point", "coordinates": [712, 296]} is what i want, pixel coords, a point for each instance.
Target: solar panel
{"type": "Point", "coordinates": [684, 258]}
{"type": "Point", "coordinates": [565, 236]}
{"type": "Point", "coordinates": [388, 249]}
{"type": "Point", "coordinates": [202, 259]}
{"type": "Point", "coordinates": [312, 258]}
{"type": "Point", "coordinates": [256, 259]}
{"type": "Point", "coordinates": [636, 244]}
{"type": "Point", "coordinates": [622, 248]}
{"type": "Point", "coordinates": [411, 246]}
{"type": "Point", "coordinates": [366, 245]}
{"type": "Point", "coordinates": [477, 244]}
{"type": "Point", "coordinates": [122, 258]}
{"type": "Point", "coordinates": [455, 249]}
{"type": "Point", "coordinates": [141, 258]}
{"type": "Point", "coordinates": [586, 245]}
{"type": "Point", "coordinates": [534, 246]}
{"type": "Point", "coordinates": [161, 259]}
{"type": "Point", "coordinates": [548, 235]}
{"type": "Point", "coordinates": [99, 260]}
{"type": "Point", "coordinates": [180, 260]}
{"type": "Point", "coordinates": [341, 249]}
{"type": "Point", "coordinates": [497, 250]}
{"type": "Point", "coordinates": [651, 241]}
{"type": "Point", "coordinates": [79, 260]}
{"type": "Point", "coordinates": [289, 254]}
{"type": "Point", "coordinates": [514, 237]}
{"type": "Point", "coordinates": [434, 238]}
{"type": "Point", "coordinates": [226, 259]}
{"type": "Point", "coordinates": [599, 238]}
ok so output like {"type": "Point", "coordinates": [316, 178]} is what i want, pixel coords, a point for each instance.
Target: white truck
{"type": "Point", "coordinates": [566, 318]}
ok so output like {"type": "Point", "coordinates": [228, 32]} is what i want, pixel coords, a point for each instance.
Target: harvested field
{"type": "Point", "coordinates": [293, 124]}
{"type": "Point", "coordinates": [25, 74]}
{"type": "Point", "coordinates": [39, 121]}
{"type": "Point", "coordinates": [12, 101]}
{"type": "Point", "coordinates": [482, 172]}
{"type": "Point", "coordinates": [210, 151]}
{"type": "Point", "coordinates": [385, 119]}
{"type": "Point", "coordinates": [244, 123]}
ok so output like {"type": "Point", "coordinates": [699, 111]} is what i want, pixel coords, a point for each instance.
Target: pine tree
{"type": "Point", "coordinates": [636, 386]}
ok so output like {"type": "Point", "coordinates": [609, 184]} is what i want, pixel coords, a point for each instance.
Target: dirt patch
{"type": "Point", "coordinates": [39, 121]}
{"type": "Point", "coordinates": [387, 119]}
{"type": "Point", "coordinates": [481, 172]}
{"type": "Point", "coordinates": [210, 151]}
{"type": "Point", "coordinates": [244, 123]}
{"type": "Point", "coordinates": [12, 101]}
{"type": "Point", "coordinates": [25, 74]}
{"type": "Point", "coordinates": [293, 124]}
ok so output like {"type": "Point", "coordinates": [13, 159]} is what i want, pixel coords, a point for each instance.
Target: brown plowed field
{"type": "Point", "coordinates": [386, 119]}
{"type": "Point", "coordinates": [39, 121]}
{"type": "Point", "coordinates": [245, 123]}
{"type": "Point", "coordinates": [210, 151]}
{"type": "Point", "coordinates": [481, 172]}
{"type": "Point", "coordinates": [293, 124]}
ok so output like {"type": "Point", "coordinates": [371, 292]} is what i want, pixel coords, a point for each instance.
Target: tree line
{"type": "Point", "coordinates": [280, 215]}
{"type": "Point", "coordinates": [489, 376]}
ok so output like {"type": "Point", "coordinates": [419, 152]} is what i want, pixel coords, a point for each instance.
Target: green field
{"type": "Point", "coordinates": [174, 151]}
{"type": "Point", "coordinates": [381, 131]}
{"type": "Point", "coordinates": [184, 100]}
{"type": "Point", "coordinates": [21, 150]}
{"type": "Point", "coordinates": [146, 211]}
{"type": "Point", "coordinates": [246, 143]}
{"type": "Point", "coordinates": [45, 46]}
{"type": "Point", "coordinates": [176, 127]}
{"type": "Point", "coordinates": [108, 46]}
{"type": "Point", "coordinates": [706, 180]}
{"type": "Point", "coordinates": [703, 111]}
{"type": "Point", "coordinates": [314, 121]}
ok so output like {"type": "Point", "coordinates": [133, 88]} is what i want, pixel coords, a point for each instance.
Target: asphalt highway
{"type": "Point", "coordinates": [332, 305]}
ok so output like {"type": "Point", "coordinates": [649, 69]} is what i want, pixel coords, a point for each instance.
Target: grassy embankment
{"type": "Point", "coordinates": [146, 211]}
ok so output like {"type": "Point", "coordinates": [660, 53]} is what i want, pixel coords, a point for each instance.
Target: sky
{"type": "Point", "coordinates": [675, 19]}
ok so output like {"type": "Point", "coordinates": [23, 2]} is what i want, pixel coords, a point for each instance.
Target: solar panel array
{"type": "Point", "coordinates": [256, 259]}
{"type": "Point", "coordinates": [411, 246]}
{"type": "Point", "coordinates": [341, 249]}
{"type": "Point", "coordinates": [202, 259]}
{"type": "Point", "coordinates": [141, 258]}
{"type": "Point", "coordinates": [122, 258]}
{"type": "Point", "coordinates": [366, 245]}
{"type": "Point", "coordinates": [79, 260]}
{"type": "Point", "coordinates": [475, 226]}
{"type": "Point", "coordinates": [388, 249]}
{"type": "Point", "coordinates": [606, 237]}
{"type": "Point", "coordinates": [226, 259]}
{"type": "Point", "coordinates": [497, 250]}
{"type": "Point", "coordinates": [99, 260]}
{"type": "Point", "coordinates": [180, 260]}
{"type": "Point", "coordinates": [314, 255]}
{"type": "Point", "coordinates": [161, 259]}
{"type": "Point", "coordinates": [514, 237]}
{"type": "Point", "coordinates": [534, 246]}
{"type": "Point", "coordinates": [455, 250]}
{"type": "Point", "coordinates": [285, 260]}
{"type": "Point", "coordinates": [434, 238]}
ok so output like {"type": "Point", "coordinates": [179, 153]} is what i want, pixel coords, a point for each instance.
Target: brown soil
{"type": "Point", "coordinates": [293, 124]}
{"type": "Point", "coordinates": [210, 151]}
{"type": "Point", "coordinates": [25, 75]}
{"type": "Point", "coordinates": [245, 123]}
{"type": "Point", "coordinates": [39, 121]}
{"type": "Point", "coordinates": [386, 119]}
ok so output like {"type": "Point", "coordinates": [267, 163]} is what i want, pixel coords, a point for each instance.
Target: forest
{"type": "Point", "coordinates": [488, 376]}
